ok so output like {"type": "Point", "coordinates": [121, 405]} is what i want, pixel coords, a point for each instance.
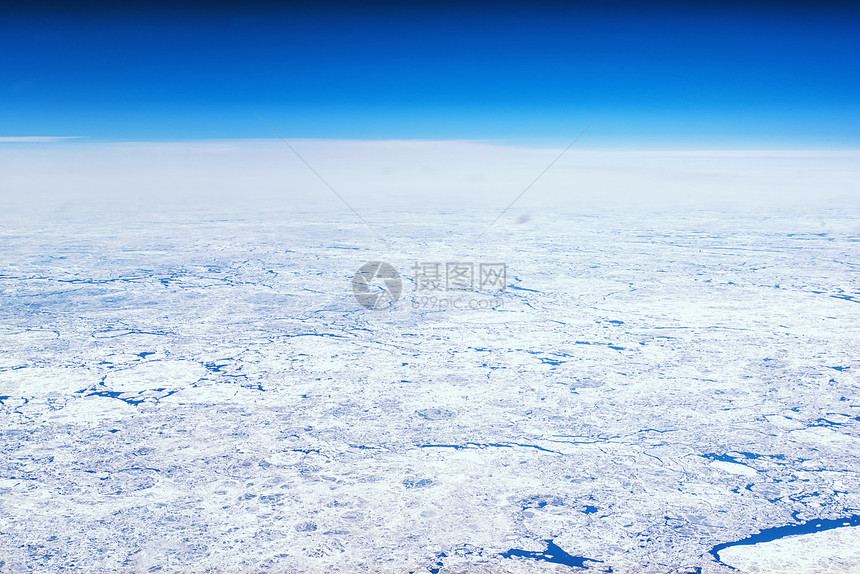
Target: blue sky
{"type": "Point", "coordinates": [739, 75]}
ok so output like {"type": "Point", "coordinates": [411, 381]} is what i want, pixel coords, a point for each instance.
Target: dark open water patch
{"type": "Point", "coordinates": [771, 534]}
{"type": "Point", "coordinates": [135, 399]}
{"type": "Point", "coordinates": [552, 554]}
{"type": "Point", "coordinates": [777, 458]}
{"type": "Point", "coordinates": [513, 286]}
{"type": "Point", "coordinates": [847, 298]}
{"type": "Point", "coordinates": [119, 396]}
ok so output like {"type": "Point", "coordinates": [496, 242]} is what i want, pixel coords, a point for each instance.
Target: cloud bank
{"type": "Point", "coordinates": [417, 175]}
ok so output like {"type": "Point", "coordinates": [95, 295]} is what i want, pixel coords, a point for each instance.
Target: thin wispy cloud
{"type": "Point", "coordinates": [37, 139]}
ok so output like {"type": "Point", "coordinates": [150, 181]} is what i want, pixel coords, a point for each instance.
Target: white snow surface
{"type": "Point", "coordinates": [192, 387]}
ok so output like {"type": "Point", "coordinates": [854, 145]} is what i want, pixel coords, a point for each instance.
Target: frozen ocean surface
{"type": "Point", "coordinates": [197, 390]}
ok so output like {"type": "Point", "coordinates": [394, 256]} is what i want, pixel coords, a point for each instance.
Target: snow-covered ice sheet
{"type": "Point", "coordinates": [198, 390]}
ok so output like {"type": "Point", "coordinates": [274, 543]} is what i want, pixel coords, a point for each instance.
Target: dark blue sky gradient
{"type": "Point", "coordinates": [734, 76]}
